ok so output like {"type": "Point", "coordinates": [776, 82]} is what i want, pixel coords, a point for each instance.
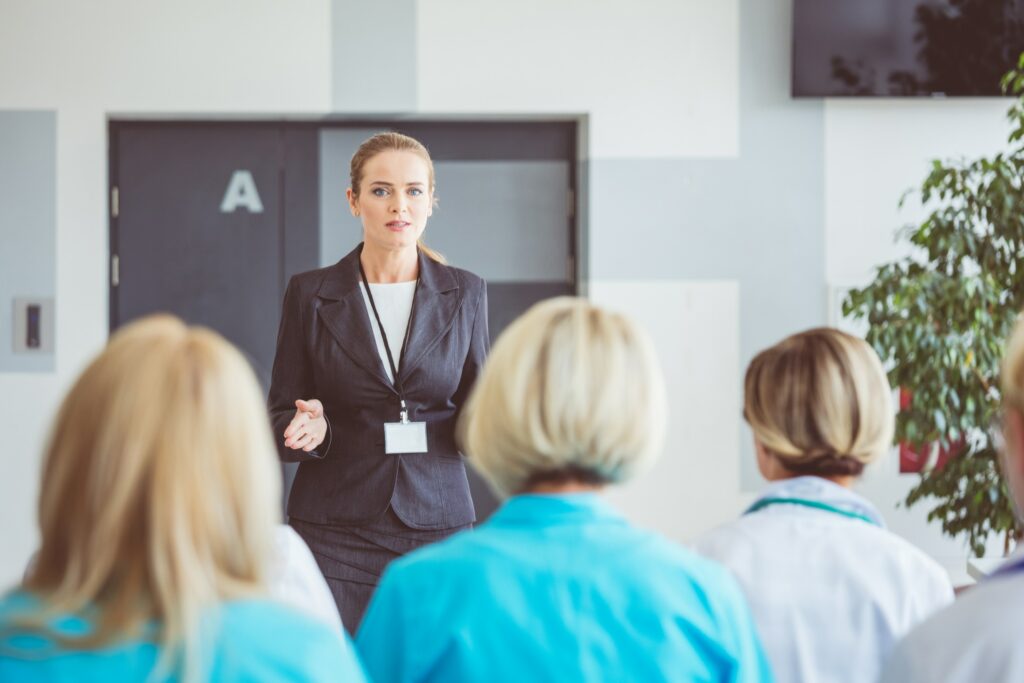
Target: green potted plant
{"type": "Point", "coordinates": [939, 319]}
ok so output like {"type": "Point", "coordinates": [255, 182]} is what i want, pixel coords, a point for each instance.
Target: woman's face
{"type": "Point", "coordinates": [395, 199]}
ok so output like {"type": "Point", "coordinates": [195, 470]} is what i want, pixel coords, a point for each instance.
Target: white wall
{"type": "Point", "coordinates": [659, 79]}
{"type": "Point", "coordinates": [86, 61]}
{"type": "Point", "coordinates": [694, 486]}
{"type": "Point", "coordinates": [875, 149]}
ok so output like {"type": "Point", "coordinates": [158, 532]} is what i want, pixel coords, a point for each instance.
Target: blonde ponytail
{"type": "Point", "coordinates": [432, 254]}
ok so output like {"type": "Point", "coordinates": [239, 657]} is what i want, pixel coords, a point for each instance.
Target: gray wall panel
{"type": "Point", "coordinates": [509, 219]}
{"type": "Point", "coordinates": [373, 56]}
{"type": "Point", "coordinates": [340, 231]}
{"type": "Point", "coordinates": [758, 219]}
{"type": "Point", "coordinates": [28, 224]}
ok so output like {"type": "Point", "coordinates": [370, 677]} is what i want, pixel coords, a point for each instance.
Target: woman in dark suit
{"type": "Point", "coordinates": [376, 356]}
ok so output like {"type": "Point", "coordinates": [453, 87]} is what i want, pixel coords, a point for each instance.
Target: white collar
{"type": "Point", "coordinates": [820, 490]}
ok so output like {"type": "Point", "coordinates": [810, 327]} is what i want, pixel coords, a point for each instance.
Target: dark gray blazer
{"type": "Point", "coordinates": [326, 350]}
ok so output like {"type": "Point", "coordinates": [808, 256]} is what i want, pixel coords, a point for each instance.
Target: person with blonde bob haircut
{"type": "Point", "coordinates": [831, 589]}
{"type": "Point", "coordinates": [159, 498]}
{"type": "Point", "coordinates": [978, 638]}
{"type": "Point", "coordinates": [557, 586]}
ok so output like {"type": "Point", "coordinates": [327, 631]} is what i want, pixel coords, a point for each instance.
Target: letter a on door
{"type": "Point", "coordinates": [242, 193]}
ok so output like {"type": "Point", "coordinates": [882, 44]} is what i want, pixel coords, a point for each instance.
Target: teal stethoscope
{"type": "Point", "coordinates": [767, 502]}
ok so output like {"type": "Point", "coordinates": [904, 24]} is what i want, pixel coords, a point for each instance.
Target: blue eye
{"type": "Point", "coordinates": [415, 191]}
{"type": "Point", "coordinates": [379, 192]}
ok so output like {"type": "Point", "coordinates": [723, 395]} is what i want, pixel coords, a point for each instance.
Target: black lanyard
{"type": "Point", "coordinates": [387, 347]}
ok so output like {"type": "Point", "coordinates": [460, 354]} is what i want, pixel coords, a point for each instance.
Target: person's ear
{"type": "Point", "coordinates": [353, 202]}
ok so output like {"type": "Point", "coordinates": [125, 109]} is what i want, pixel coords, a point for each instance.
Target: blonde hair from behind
{"type": "Point", "coordinates": [160, 489]}
{"type": "Point", "coordinates": [820, 402]}
{"type": "Point", "coordinates": [569, 391]}
{"type": "Point", "coordinates": [387, 142]}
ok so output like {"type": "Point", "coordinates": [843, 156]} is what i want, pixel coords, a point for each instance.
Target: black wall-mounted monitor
{"type": "Point", "coordinates": [900, 48]}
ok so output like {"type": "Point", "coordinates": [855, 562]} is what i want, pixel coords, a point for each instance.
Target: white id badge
{"type": "Point", "coordinates": [405, 437]}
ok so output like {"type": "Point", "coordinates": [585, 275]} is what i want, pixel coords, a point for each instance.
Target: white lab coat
{"type": "Point", "coordinates": [977, 640]}
{"type": "Point", "coordinates": [295, 578]}
{"type": "Point", "coordinates": [831, 595]}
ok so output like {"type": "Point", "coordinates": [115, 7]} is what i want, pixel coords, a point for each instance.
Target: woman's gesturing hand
{"type": "Point", "coordinates": [308, 428]}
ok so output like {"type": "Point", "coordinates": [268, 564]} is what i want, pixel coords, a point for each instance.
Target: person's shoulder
{"type": "Point", "coordinates": [919, 570]}
{"type": "Point", "coordinates": [18, 605]}
{"type": "Point", "coordinates": [257, 614]}
{"type": "Point", "coordinates": [977, 631]}
{"type": "Point", "coordinates": [14, 606]}
{"type": "Point", "coordinates": [919, 559]}
{"type": "Point", "coordinates": [16, 602]}
{"type": "Point", "coordinates": [474, 559]}
{"type": "Point", "coordinates": [288, 543]}
{"type": "Point", "coordinates": [673, 563]}
{"type": "Point", "coordinates": [296, 580]}
{"type": "Point", "coordinates": [21, 641]}
{"type": "Point", "coordinates": [472, 282]}
{"type": "Point", "coordinates": [702, 570]}
{"type": "Point", "coordinates": [736, 536]}
{"type": "Point", "coordinates": [684, 581]}
{"type": "Point", "coordinates": [286, 636]}
{"type": "Point", "coordinates": [981, 611]}
{"type": "Point", "coordinates": [308, 282]}
{"type": "Point", "coordinates": [291, 552]}
{"type": "Point", "coordinates": [457, 553]}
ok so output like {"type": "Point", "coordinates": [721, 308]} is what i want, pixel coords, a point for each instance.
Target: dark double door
{"type": "Point", "coordinates": [207, 226]}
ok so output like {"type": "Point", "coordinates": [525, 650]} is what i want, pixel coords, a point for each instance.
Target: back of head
{"type": "Point", "coordinates": [820, 402]}
{"type": "Point", "coordinates": [569, 392]}
{"type": "Point", "coordinates": [160, 487]}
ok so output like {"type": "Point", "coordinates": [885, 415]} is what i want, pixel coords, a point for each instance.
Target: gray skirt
{"type": "Point", "coordinates": [353, 558]}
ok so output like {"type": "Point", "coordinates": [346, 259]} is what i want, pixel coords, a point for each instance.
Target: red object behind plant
{"type": "Point", "coordinates": [912, 461]}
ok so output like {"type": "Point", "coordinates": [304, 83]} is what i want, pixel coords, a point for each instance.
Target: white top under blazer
{"type": "Point", "coordinates": [394, 304]}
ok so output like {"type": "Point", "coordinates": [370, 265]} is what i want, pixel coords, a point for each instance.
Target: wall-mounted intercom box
{"type": "Point", "coordinates": [33, 326]}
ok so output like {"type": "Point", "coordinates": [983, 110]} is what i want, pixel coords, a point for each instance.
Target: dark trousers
{"type": "Point", "coordinates": [353, 558]}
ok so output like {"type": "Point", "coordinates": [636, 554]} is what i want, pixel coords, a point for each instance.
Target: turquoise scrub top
{"type": "Point", "coordinates": [255, 640]}
{"type": "Point", "coordinates": [558, 588]}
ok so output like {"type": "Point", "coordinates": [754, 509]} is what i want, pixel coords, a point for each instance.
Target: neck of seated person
{"type": "Point", "coordinates": [845, 480]}
{"type": "Point", "coordinates": [773, 469]}
{"type": "Point", "coordinates": [559, 487]}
